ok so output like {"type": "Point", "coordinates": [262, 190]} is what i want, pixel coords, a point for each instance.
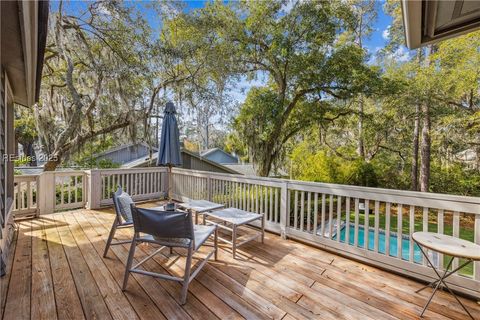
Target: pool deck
{"type": "Point", "coordinates": [58, 272]}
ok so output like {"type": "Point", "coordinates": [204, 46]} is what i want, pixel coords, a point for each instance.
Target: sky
{"type": "Point", "coordinates": [376, 40]}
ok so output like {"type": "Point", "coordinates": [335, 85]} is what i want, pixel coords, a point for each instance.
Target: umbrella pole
{"type": "Point", "coordinates": [169, 183]}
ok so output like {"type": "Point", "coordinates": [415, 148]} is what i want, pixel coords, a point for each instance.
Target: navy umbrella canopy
{"type": "Point", "coordinates": [169, 149]}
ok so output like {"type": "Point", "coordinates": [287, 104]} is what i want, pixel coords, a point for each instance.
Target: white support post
{"type": "Point", "coordinates": [94, 189]}
{"type": "Point", "coordinates": [284, 210]}
{"type": "Point", "coordinates": [46, 190]}
{"type": "Point", "coordinates": [476, 265]}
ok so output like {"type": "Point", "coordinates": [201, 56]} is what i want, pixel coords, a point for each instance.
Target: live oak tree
{"type": "Point", "coordinates": [95, 72]}
{"type": "Point", "coordinates": [298, 48]}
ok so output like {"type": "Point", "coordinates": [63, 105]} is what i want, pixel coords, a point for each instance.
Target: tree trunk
{"type": "Point", "coordinates": [29, 152]}
{"type": "Point", "coordinates": [425, 151]}
{"type": "Point", "coordinates": [51, 165]}
{"type": "Point", "coordinates": [415, 149]}
{"type": "Point", "coordinates": [361, 144]}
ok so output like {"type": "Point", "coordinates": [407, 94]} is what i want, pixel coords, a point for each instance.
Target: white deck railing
{"type": "Point", "coordinates": [25, 193]}
{"type": "Point", "coordinates": [336, 217]}
{"type": "Point", "coordinates": [368, 224]}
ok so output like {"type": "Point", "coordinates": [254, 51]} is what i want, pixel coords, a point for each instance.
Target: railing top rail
{"type": "Point", "coordinates": [26, 177]}
{"type": "Point", "coordinates": [129, 170]}
{"type": "Point", "coordinates": [231, 177]}
{"type": "Point", "coordinates": [339, 188]}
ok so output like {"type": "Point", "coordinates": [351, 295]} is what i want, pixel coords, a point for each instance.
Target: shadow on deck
{"type": "Point", "coordinates": [58, 272]}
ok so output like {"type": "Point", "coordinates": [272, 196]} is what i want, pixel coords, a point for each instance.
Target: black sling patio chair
{"type": "Point", "coordinates": [123, 217]}
{"type": "Point", "coordinates": [169, 229]}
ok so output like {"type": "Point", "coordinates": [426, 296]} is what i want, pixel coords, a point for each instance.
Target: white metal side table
{"type": "Point", "coordinates": [231, 220]}
{"type": "Point", "coordinates": [451, 246]}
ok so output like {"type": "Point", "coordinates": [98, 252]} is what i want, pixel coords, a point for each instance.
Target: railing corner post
{"type": "Point", "coordinates": [284, 210]}
{"type": "Point", "coordinates": [46, 192]}
{"type": "Point", "coordinates": [94, 189]}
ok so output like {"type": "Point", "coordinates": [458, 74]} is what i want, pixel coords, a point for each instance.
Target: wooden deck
{"type": "Point", "coordinates": [58, 272]}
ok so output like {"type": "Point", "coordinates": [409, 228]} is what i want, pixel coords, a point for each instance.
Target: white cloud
{"type": "Point", "coordinates": [402, 54]}
{"type": "Point", "coordinates": [386, 33]}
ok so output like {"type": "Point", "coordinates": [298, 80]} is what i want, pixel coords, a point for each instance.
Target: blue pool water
{"type": "Point", "coordinates": [417, 254]}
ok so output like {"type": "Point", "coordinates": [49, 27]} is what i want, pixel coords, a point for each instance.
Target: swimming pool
{"type": "Point", "coordinates": [417, 254]}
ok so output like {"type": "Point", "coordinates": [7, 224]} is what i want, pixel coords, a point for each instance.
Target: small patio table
{"type": "Point", "coordinates": [231, 219]}
{"type": "Point", "coordinates": [451, 246]}
{"type": "Point", "coordinates": [199, 207]}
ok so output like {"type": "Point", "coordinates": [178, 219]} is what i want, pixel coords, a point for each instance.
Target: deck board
{"type": "Point", "coordinates": [58, 271]}
{"type": "Point", "coordinates": [17, 305]}
{"type": "Point", "coordinates": [43, 297]}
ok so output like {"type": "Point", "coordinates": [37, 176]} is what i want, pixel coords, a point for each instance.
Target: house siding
{"type": "Point", "coordinates": [126, 154]}
{"type": "Point", "coordinates": [193, 163]}
{"type": "Point", "coordinates": [7, 146]}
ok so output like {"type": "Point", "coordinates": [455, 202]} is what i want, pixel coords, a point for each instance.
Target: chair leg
{"type": "Point", "coordinates": [263, 229]}
{"type": "Point", "coordinates": [186, 277]}
{"type": "Point", "coordinates": [131, 253]}
{"type": "Point", "coordinates": [171, 250]}
{"type": "Point", "coordinates": [234, 240]}
{"type": "Point", "coordinates": [110, 236]}
{"type": "Point", "coordinates": [215, 243]}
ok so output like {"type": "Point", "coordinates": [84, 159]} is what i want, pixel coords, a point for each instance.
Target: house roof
{"type": "Point", "coordinates": [429, 21]}
{"type": "Point", "coordinates": [213, 150]}
{"type": "Point", "coordinates": [23, 38]}
{"type": "Point", "coordinates": [145, 160]}
{"type": "Point", "coordinates": [121, 147]}
{"type": "Point", "coordinates": [247, 169]}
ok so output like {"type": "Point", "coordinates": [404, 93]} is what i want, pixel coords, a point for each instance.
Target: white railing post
{"type": "Point", "coordinates": [476, 264]}
{"type": "Point", "coordinates": [46, 197]}
{"type": "Point", "coordinates": [94, 189]}
{"type": "Point", "coordinates": [284, 210]}
{"type": "Point", "coordinates": [209, 188]}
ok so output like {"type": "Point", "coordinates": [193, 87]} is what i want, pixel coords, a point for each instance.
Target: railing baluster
{"type": "Point", "coordinates": [441, 214]}
{"type": "Point", "coordinates": [69, 188]}
{"type": "Point", "coordinates": [339, 216]}
{"type": "Point", "coordinates": [276, 203]}
{"type": "Point", "coordinates": [309, 211]}
{"type": "Point", "coordinates": [29, 200]}
{"type": "Point", "coordinates": [357, 218]}
{"type": "Point", "coordinates": [412, 230]}
{"type": "Point", "coordinates": [347, 221]}
{"type": "Point", "coordinates": [376, 226]}
{"type": "Point", "coordinates": [302, 210]}
{"type": "Point", "coordinates": [476, 264]}
{"type": "Point", "coordinates": [322, 217]}
{"type": "Point", "coordinates": [399, 230]}
{"type": "Point", "coordinates": [366, 225]}
{"type": "Point", "coordinates": [330, 216]}
{"type": "Point", "coordinates": [61, 191]}
{"type": "Point", "coordinates": [75, 189]}
{"type": "Point", "coordinates": [315, 213]}
{"type": "Point", "coordinates": [387, 228]}
{"type": "Point", "coordinates": [456, 233]}
{"type": "Point", "coordinates": [295, 210]}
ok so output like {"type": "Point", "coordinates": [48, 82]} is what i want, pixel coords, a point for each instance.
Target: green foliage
{"type": "Point", "coordinates": [317, 166]}
{"type": "Point", "coordinates": [362, 173]}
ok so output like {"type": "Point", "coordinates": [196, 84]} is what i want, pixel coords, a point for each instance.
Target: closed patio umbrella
{"type": "Point", "coordinates": [169, 150]}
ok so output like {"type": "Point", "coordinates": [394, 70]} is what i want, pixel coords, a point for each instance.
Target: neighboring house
{"type": "Point", "coordinates": [23, 33]}
{"type": "Point", "coordinates": [469, 157]}
{"type": "Point", "coordinates": [190, 160]}
{"type": "Point", "coordinates": [247, 169]}
{"type": "Point", "coordinates": [219, 156]}
{"type": "Point", "coordinates": [126, 153]}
